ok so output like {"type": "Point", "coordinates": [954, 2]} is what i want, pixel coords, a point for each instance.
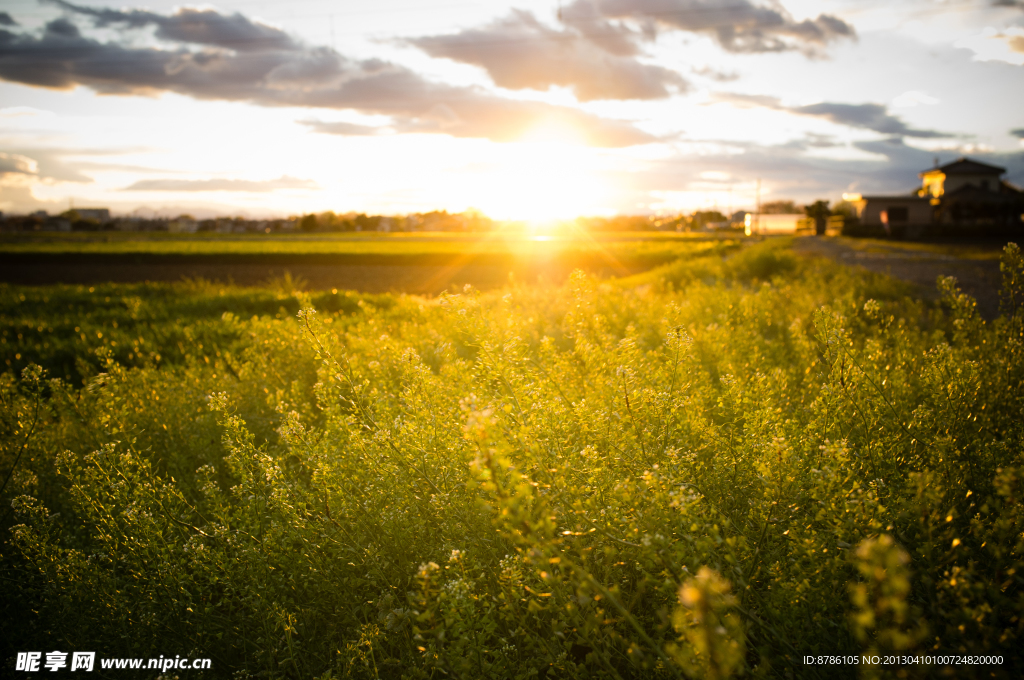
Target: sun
{"type": "Point", "coordinates": [547, 175]}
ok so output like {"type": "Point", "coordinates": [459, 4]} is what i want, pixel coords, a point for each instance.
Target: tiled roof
{"type": "Point", "coordinates": [965, 166]}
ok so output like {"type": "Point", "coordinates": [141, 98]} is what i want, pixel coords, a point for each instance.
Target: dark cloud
{"type": "Point", "coordinates": [519, 52]}
{"type": "Point", "coordinates": [867, 116]}
{"type": "Point", "coordinates": [283, 182]}
{"type": "Point", "coordinates": [614, 37]}
{"type": "Point", "coordinates": [7, 20]}
{"type": "Point", "coordinates": [737, 25]}
{"type": "Point", "coordinates": [239, 60]}
{"type": "Point", "coordinates": [596, 51]}
{"type": "Point", "coordinates": [786, 171]}
{"type": "Point", "coordinates": [870, 116]}
{"type": "Point", "coordinates": [62, 28]}
{"type": "Point", "coordinates": [195, 26]}
{"type": "Point", "coordinates": [1019, 132]}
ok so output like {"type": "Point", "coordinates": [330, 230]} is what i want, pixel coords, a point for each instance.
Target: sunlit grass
{"type": "Point", "coordinates": [746, 457]}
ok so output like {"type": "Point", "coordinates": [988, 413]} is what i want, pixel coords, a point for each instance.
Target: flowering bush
{"type": "Point", "coordinates": [710, 470]}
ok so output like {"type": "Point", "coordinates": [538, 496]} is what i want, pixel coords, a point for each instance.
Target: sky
{"type": "Point", "coordinates": [536, 109]}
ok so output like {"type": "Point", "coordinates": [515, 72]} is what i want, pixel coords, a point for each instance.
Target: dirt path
{"type": "Point", "coordinates": [977, 275]}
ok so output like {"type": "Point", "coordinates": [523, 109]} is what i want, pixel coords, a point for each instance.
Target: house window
{"type": "Point", "coordinates": [897, 214]}
{"type": "Point", "coordinates": [984, 184]}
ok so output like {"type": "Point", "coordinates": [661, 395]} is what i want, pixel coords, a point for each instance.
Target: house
{"type": "Point", "coordinates": [101, 215]}
{"type": "Point", "coordinates": [962, 173]}
{"type": "Point", "coordinates": [962, 198]}
{"type": "Point", "coordinates": [183, 224]}
{"type": "Point", "coordinates": [763, 224]}
{"type": "Point", "coordinates": [901, 213]}
{"type": "Point", "coordinates": [971, 195]}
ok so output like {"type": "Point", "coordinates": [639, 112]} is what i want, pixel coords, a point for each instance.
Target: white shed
{"type": "Point", "coordinates": [757, 224]}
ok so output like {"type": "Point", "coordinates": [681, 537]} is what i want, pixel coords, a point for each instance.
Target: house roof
{"type": "Point", "coordinates": [965, 166]}
{"type": "Point", "coordinates": [1004, 192]}
{"type": "Point", "coordinates": [902, 197]}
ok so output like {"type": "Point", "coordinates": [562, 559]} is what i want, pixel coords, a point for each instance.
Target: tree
{"type": "Point", "coordinates": [846, 209]}
{"type": "Point", "coordinates": [819, 210]}
{"type": "Point", "coordinates": [782, 207]}
{"type": "Point", "coordinates": [328, 221]}
{"type": "Point", "coordinates": [308, 223]}
{"type": "Point", "coordinates": [702, 217]}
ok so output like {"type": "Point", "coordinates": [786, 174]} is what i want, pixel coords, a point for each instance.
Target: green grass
{"type": "Point", "coordinates": [711, 470]}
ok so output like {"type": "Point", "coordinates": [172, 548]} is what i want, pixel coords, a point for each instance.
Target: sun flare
{"type": "Point", "coordinates": [547, 175]}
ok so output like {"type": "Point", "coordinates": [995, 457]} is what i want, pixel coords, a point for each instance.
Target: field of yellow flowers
{"type": "Point", "coordinates": [739, 464]}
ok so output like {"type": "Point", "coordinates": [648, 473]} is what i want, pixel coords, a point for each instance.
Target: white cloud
{"type": "Point", "coordinates": [22, 112]}
{"type": "Point", "coordinates": [993, 45]}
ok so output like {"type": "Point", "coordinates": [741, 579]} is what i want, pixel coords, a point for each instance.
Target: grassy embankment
{"type": "Point", "coordinates": [711, 469]}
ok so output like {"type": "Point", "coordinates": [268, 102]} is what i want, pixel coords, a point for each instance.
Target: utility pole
{"type": "Point", "coordinates": [758, 213]}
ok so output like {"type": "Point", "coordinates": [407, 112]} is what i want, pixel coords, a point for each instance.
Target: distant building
{"type": "Point", "coordinates": [183, 224]}
{"type": "Point", "coordinates": [960, 174]}
{"type": "Point", "coordinates": [96, 214]}
{"type": "Point", "coordinates": [764, 224]}
{"type": "Point", "coordinates": [961, 198]}
{"type": "Point", "coordinates": [56, 224]}
{"type": "Point", "coordinates": [889, 212]}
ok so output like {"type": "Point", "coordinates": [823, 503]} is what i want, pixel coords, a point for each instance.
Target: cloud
{"type": "Point", "coordinates": [993, 45]}
{"type": "Point", "coordinates": [51, 164]}
{"type": "Point", "coordinates": [222, 57]}
{"type": "Point", "coordinates": [716, 75]}
{"type": "Point", "coordinates": [22, 111]}
{"type": "Point", "coordinates": [1019, 132]}
{"type": "Point", "coordinates": [342, 128]}
{"type": "Point", "coordinates": [888, 167]}
{"type": "Point", "coordinates": [519, 52]}
{"type": "Point", "coordinates": [873, 117]}
{"type": "Point", "coordinates": [870, 116]}
{"type": "Point", "coordinates": [195, 26]}
{"type": "Point", "coordinates": [283, 182]}
{"type": "Point", "coordinates": [12, 163]}
{"type": "Point", "coordinates": [737, 25]}
{"type": "Point", "coordinates": [7, 20]}
{"type": "Point", "coordinates": [913, 98]}
{"type": "Point", "coordinates": [596, 52]}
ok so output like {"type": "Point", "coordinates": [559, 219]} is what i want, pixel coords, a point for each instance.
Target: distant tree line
{"type": "Point", "coordinates": [436, 220]}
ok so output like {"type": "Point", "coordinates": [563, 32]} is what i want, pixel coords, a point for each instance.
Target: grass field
{"type": "Point", "coordinates": [418, 263]}
{"type": "Point", "coordinates": [709, 469]}
{"type": "Point", "coordinates": [665, 245]}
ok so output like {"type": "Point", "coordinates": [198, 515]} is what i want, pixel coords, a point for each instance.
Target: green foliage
{"type": "Point", "coordinates": [748, 458]}
{"type": "Point", "coordinates": [780, 207]}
